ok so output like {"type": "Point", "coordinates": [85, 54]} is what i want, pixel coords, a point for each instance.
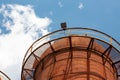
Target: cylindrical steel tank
{"type": "Point", "coordinates": [72, 57]}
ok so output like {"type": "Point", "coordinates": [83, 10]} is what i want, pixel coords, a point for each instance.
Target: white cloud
{"type": "Point", "coordinates": [81, 6]}
{"type": "Point", "coordinates": [60, 4]}
{"type": "Point", "coordinates": [24, 27]}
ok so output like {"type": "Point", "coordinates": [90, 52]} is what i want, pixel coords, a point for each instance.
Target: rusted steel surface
{"type": "Point", "coordinates": [74, 64]}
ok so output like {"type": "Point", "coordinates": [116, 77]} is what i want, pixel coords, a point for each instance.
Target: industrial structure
{"type": "Point", "coordinates": [73, 54]}
{"type": "Point", "coordinates": [3, 76]}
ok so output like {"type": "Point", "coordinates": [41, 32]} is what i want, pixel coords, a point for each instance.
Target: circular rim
{"type": "Point", "coordinates": [104, 35]}
{"type": "Point", "coordinates": [80, 31]}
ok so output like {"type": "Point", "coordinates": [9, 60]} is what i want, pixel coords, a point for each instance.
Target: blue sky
{"type": "Point", "coordinates": [30, 19]}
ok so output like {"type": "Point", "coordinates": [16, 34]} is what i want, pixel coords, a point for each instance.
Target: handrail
{"type": "Point", "coordinates": [78, 30]}
{"type": "Point", "coordinates": [3, 75]}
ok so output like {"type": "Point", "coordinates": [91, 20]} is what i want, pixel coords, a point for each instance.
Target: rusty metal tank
{"type": "Point", "coordinates": [73, 54]}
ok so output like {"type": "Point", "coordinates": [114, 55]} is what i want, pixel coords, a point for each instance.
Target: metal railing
{"type": "Point", "coordinates": [3, 76]}
{"type": "Point", "coordinates": [79, 31]}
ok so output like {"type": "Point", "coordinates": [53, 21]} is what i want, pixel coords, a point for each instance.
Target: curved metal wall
{"type": "Point", "coordinates": [75, 58]}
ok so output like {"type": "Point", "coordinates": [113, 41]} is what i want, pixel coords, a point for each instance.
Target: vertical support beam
{"type": "Point", "coordinates": [36, 57]}
{"type": "Point", "coordinates": [88, 57]}
{"type": "Point", "coordinates": [36, 61]}
{"type": "Point", "coordinates": [105, 53]}
{"type": "Point", "coordinates": [52, 51]}
{"type": "Point", "coordinates": [116, 68]}
{"type": "Point", "coordinates": [29, 73]}
{"type": "Point", "coordinates": [51, 70]}
{"type": "Point", "coordinates": [103, 61]}
{"type": "Point", "coordinates": [88, 67]}
{"type": "Point", "coordinates": [90, 43]}
{"type": "Point", "coordinates": [111, 41]}
{"type": "Point", "coordinates": [71, 52]}
{"type": "Point", "coordinates": [69, 61]}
